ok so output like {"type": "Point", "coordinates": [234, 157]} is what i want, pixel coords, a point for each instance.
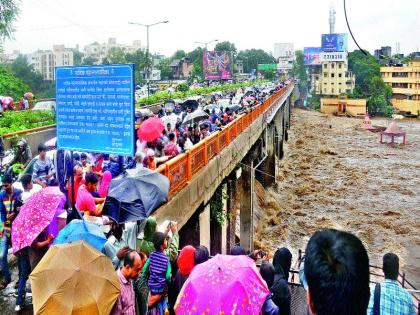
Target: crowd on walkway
{"type": "Point", "coordinates": [153, 274]}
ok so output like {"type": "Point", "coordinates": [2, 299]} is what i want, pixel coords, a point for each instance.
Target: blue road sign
{"type": "Point", "coordinates": [95, 109]}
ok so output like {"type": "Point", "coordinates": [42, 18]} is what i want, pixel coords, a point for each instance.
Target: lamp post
{"type": "Point", "coordinates": [147, 26]}
{"type": "Point", "coordinates": [206, 43]}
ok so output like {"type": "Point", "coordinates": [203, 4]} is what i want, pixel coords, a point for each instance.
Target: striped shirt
{"type": "Point", "coordinates": [8, 207]}
{"type": "Point", "coordinates": [159, 264]}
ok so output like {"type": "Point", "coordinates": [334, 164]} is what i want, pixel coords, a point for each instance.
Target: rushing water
{"type": "Point", "coordinates": [337, 175]}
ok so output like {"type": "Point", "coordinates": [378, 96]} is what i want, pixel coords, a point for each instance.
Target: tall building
{"type": "Point", "coordinates": [405, 84]}
{"type": "Point", "coordinates": [285, 55]}
{"type": "Point", "coordinates": [384, 52]}
{"type": "Point", "coordinates": [100, 51]}
{"type": "Point", "coordinates": [335, 78]}
{"type": "Point", "coordinates": [45, 61]}
{"type": "Point", "coordinates": [332, 20]}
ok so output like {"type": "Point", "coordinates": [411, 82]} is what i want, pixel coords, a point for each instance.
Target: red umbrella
{"type": "Point", "coordinates": [151, 129]}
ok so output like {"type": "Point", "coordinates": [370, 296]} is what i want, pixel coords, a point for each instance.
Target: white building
{"type": "Point", "coordinates": [9, 58]}
{"type": "Point", "coordinates": [45, 61]}
{"type": "Point", "coordinates": [285, 55]}
{"type": "Point", "coordinates": [100, 51]}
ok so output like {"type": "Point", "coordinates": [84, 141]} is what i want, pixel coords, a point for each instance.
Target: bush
{"type": "Point", "coordinates": [12, 86]}
{"type": "Point", "coordinates": [22, 120]}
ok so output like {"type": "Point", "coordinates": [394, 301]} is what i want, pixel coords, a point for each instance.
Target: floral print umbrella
{"type": "Point", "coordinates": [35, 215]}
{"type": "Point", "coordinates": [223, 285]}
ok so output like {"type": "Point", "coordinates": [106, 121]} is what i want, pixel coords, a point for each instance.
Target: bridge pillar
{"type": "Point", "coordinates": [204, 221]}
{"type": "Point", "coordinates": [232, 213]}
{"type": "Point", "coordinates": [268, 167]}
{"type": "Point", "coordinates": [246, 216]}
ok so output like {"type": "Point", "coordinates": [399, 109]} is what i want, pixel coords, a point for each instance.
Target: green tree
{"type": "Point", "coordinates": [364, 68]}
{"type": "Point", "coordinates": [226, 46]}
{"type": "Point", "coordinates": [11, 85]}
{"type": "Point", "coordinates": [89, 60]}
{"type": "Point", "coordinates": [9, 11]}
{"type": "Point", "coordinates": [379, 100]}
{"type": "Point", "coordinates": [299, 70]}
{"type": "Point", "coordinates": [77, 57]}
{"type": "Point", "coordinates": [252, 57]}
{"type": "Point", "coordinates": [179, 54]}
{"type": "Point", "coordinates": [165, 69]}
{"type": "Point", "coordinates": [270, 75]}
{"type": "Point", "coordinates": [116, 55]}
{"type": "Point", "coordinates": [196, 57]}
{"type": "Point", "coordinates": [369, 84]}
{"type": "Point", "coordinates": [21, 69]}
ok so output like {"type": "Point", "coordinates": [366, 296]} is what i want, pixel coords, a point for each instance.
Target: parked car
{"type": "Point", "coordinates": [45, 105]}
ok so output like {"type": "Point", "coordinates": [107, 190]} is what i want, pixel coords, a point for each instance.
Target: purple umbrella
{"type": "Point", "coordinates": [35, 215]}
{"type": "Point", "coordinates": [223, 285]}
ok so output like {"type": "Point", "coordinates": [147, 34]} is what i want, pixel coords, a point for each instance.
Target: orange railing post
{"type": "Point", "coordinates": [182, 168]}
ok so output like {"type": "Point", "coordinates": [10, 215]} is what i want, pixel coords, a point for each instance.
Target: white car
{"type": "Point", "coordinates": [44, 105]}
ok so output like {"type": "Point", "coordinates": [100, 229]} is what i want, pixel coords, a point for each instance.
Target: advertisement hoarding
{"type": "Point", "coordinates": [217, 65]}
{"type": "Point", "coordinates": [95, 109]}
{"type": "Point", "coordinates": [311, 55]}
{"type": "Point", "coordinates": [334, 42]}
{"type": "Point", "coordinates": [267, 67]}
{"type": "Point", "coordinates": [332, 56]}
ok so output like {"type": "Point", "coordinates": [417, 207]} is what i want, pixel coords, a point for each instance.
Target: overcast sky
{"type": "Point", "coordinates": [247, 23]}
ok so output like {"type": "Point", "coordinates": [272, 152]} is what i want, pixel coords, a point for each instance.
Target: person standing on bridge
{"type": "Point", "coordinates": [388, 298]}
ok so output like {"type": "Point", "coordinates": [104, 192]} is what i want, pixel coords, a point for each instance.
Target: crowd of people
{"type": "Point", "coordinates": [151, 268]}
{"type": "Point", "coordinates": [180, 137]}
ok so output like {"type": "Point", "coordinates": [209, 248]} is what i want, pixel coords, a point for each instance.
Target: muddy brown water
{"type": "Point", "coordinates": [336, 175]}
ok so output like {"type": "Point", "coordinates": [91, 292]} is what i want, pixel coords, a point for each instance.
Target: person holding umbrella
{"type": "Point", "coordinates": [10, 201]}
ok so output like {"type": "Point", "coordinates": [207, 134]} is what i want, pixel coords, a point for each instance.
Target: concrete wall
{"type": "Point", "coordinates": [203, 185]}
{"type": "Point", "coordinates": [354, 107]}
{"type": "Point", "coordinates": [34, 139]}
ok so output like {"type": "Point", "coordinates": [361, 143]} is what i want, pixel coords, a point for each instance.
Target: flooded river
{"type": "Point", "coordinates": [336, 175]}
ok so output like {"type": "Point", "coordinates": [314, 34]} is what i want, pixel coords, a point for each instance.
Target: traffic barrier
{"type": "Point", "coordinates": [183, 167]}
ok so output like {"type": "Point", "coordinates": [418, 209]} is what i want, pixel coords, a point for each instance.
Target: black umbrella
{"type": "Point", "coordinates": [195, 117]}
{"type": "Point", "coordinates": [193, 104]}
{"type": "Point", "coordinates": [135, 194]}
{"type": "Point", "coordinates": [234, 107]}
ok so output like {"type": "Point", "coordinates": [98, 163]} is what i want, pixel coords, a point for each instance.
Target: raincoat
{"type": "Point", "coordinates": [145, 245]}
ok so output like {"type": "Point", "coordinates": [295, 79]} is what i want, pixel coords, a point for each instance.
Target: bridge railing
{"type": "Point", "coordinates": [181, 169]}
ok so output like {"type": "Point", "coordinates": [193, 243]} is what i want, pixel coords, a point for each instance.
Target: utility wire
{"type": "Point", "coordinates": [351, 33]}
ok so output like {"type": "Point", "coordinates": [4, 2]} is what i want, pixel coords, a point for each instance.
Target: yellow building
{"type": "Point", "coordinates": [335, 79]}
{"type": "Point", "coordinates": [405, 84]}
{"type": "Point", "coordinates": [353, 107]}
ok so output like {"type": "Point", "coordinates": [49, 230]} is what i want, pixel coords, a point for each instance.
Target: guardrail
{"type": "Point", "coordinates": [182, 168]}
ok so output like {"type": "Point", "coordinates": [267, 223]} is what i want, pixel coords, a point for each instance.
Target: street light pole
{"type": "Point", "coordinates": [206, 43]}
{"type": "Point", "coordinates": [147, 26]}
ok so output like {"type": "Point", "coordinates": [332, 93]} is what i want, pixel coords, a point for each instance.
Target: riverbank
{"type": "Point", "coordinates": [336, 175]}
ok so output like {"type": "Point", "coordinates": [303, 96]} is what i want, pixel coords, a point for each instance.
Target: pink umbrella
{"type": "Point", "coordinates": [150, 129]}
{"type": "Point", "coordinates": [28, 94]}
{"type": "Point", "coordinates": [7, 100]}
{"type": "Point", "coordinates": [35, 215]}
{"type": "Point", "coordinates": [223, 285]}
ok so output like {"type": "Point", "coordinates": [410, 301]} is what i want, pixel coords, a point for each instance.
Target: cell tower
{"type": "Point", "coordinates": [332, 19]}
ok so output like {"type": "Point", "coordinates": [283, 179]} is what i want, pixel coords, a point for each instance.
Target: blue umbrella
{"type": "Point", "coordinates": [86, 231]}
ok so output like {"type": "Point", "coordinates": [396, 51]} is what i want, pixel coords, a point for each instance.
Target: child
{"type": "Point", "coordinates": [159, 269]}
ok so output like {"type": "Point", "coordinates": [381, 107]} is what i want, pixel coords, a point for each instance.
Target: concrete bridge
{"type": "Point", "coordinates": [212, 185]}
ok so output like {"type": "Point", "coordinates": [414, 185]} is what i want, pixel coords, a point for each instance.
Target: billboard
{"type": "Point", "coordinates": [334, 42]}
{"type": "Point", "coordinates": [267, 67]}
{"type": "Point", "coordinates": [217, 65]}
{"type": "Point", "coordinates": [95, 109]}
{"type": "Point", "coordinates": [333, 56]}
{"type": "Point", "coordinates": [311, 55]}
